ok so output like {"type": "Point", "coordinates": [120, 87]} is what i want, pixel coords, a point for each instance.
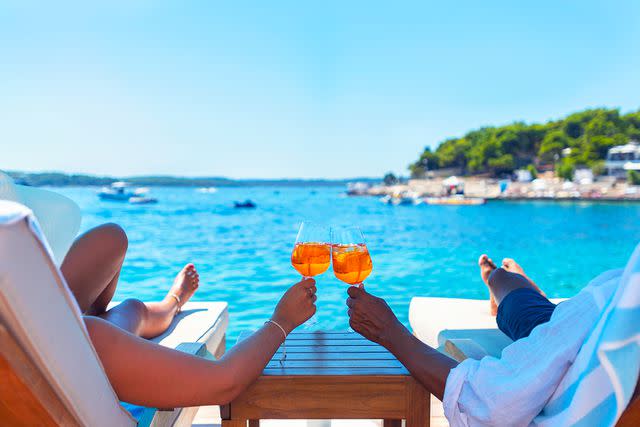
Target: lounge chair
{"type": "Point", "coordinates": [50, 372]}
{"type": "Point", "coordinates": [463, 328]}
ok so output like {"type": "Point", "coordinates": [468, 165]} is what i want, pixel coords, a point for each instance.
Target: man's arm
{"type": "Point", "coordinates": [372, 318]}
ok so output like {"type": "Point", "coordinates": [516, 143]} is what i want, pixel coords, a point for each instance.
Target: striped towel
{"type": "Point", "coordinates": [599, 385]}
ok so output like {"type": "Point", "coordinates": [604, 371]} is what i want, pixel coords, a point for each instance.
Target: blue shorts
{"type": "Point", "coordinates": [522, 310]}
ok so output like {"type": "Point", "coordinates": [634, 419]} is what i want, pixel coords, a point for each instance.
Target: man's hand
{"type": "Point", "coordinates": [371, 316]}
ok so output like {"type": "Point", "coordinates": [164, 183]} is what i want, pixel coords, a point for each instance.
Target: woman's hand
{"type": "Point", "coordinates": [371, 316]}
{"type": "Point", "coordinates": [296, 306]}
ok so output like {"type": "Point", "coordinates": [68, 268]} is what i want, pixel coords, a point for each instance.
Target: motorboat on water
{"type": "Point", "coordinates": [455, 201]}
{"type": "Point", "coordinates": [247, 204]}
{"type": "Point", "coordinates": [404, 199]}
{"type": "Point", "coordinates": [358, 188]}
{"type": "Point", "coordinates": [120, 192]}
{"type": "Point", "coordinates": [207, 190]}
{"type": "Point", "coordinates": [141, 197]}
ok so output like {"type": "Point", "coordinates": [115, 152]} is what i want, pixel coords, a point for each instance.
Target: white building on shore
{"type": "Point", "coordinates": [623, 158]}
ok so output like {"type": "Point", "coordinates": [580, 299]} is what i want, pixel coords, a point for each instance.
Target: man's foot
{"type": "Point", "coordinates": [184, 285]}
{"type": "Point", "coordinates": [486, 268]}
{"type": "Point", "coordinates": [510, 265]}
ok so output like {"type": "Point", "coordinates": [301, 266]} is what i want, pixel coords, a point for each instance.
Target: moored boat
{"type": "Point", "coordinates": [120, 192]}
{"type": "Point", "coordinates": [117, 191]}
{"type": "Point", "coordinates": [455, 201]}
{"type": "Point", "coordinates": [247, 204]}
{"type": "Point", "coordinates": [207, 190]}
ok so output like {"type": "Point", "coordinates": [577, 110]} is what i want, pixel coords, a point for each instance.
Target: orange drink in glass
{"type": "Point", "coordinates": [311, 258]}
{"type": "Point", "coordinates": [351, 263]}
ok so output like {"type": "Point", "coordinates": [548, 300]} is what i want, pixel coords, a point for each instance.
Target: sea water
{"type": "Point", "coordinates": [243, 255]}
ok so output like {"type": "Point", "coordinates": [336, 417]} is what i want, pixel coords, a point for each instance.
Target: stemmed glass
{"type": "Point", "coordinates": [311, 255]}
{"type": "Point", "coordinates": [351, 260]}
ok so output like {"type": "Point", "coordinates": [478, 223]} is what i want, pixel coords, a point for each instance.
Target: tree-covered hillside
{"type": "Point", "coordinates": [501, 150]}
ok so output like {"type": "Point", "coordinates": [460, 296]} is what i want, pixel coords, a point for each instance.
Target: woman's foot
{"type": "Point", "coordinates": [486, 268]}
{"type": "Point", "coordinates": [509, 264]}
{"type": "Point", "coordinates": [184, 285]}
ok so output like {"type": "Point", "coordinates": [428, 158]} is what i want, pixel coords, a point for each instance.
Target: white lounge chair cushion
{"type": "Point", "coordinates": [202, 322]}
{"type": "Point", "coordinates": [435, 320]}
{"type": "Point", "coordinates": [38, 309]}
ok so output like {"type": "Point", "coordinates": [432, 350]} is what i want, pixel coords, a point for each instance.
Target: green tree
{"type": "Point", "coordinates": [633, 177]}
{"type": "Point", "coordinates": [552, 145]}
{"type": "Point", "coordinates": [390, 179]}
{"type": "Point", "coordinates": [501, 165]}
{"type": "Point", "coordinates": [598, 168]}
{"type": "Point", "coordinates": [565, 168]}
{"type": "Point", "coordinates": [428, 161]}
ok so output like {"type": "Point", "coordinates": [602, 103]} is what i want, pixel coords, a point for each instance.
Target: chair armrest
{"type": "Point", "coordinates": [194, 348]}
{"type": "Point", "coordinates": [167, 417]}
{"type": "Point", "coordinates": [462, 348]}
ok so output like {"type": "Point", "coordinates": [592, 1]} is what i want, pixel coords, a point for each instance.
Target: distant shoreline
{"type": "Point", "coordinates": [58, 179]}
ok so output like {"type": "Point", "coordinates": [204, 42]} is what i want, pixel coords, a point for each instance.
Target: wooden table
{"type": "Point", "coordinates": [332, 375]}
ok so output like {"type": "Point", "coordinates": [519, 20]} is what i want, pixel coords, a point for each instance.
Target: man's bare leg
{"type": "Point", "coordinates": [501, 281]}
{"type": "Point", "coordinates": [509, 264]}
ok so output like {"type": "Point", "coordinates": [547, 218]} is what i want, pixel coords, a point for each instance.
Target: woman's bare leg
{"type": "Point", "coordinates": [92, 268]}
{"type": "Point", "coordinates": [150, 319]}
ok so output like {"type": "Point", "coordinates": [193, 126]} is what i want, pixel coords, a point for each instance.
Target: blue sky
{"type": "Point", "coordinates": [294, 89]}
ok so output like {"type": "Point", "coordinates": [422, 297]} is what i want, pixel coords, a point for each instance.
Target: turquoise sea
{"type": "Point", "coordinates": [244, 255]}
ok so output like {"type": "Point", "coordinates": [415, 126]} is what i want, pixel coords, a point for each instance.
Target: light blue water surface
{"type": "Point", "coordinates": [244, 255]}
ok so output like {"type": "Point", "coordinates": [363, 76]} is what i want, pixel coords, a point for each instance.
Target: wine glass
{"type": "Point", "coordinates": [351, 260]}
{"type": "Point", "coordinates": [311, 255]}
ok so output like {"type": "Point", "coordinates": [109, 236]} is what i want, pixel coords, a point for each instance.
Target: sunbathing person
{"type": "Point", "coordinates": [144, 373]}
{"type": "Point", "coordinates": [540, 376]}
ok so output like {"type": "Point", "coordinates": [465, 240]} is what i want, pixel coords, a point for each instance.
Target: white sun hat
{"type": "Point", "coordinates": [59, 217]}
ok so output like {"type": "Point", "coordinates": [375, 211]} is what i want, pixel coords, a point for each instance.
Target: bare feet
{"type": "Point", "coordinates": [486, 268]}
{"type": "Point", "coordinates": [184, 285]}
{"type": "Point", "coordinates": [510, 265]}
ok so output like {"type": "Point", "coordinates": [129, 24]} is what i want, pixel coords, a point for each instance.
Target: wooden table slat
{"type": "Point", "coordinates": [333, 349]}
{"type": "Point", "coordinates": [330, 342]}
{"type": "Point", "coordinates": [330, 355]}
{"type": "Point", "coordinates": [336, 363]}
{"type": "Point", "coordinates": [310, 371]}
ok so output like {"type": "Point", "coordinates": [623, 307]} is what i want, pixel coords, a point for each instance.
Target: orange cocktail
{"type": "Point", "coordinates": [351, 263]}
{"type": "Point", "coordinates": [311, 258]}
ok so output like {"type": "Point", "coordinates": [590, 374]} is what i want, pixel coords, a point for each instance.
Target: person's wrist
{"type": "Point", "coordinates": [394, 336]}
{"type": "Point", "coordinates": [284, 323]}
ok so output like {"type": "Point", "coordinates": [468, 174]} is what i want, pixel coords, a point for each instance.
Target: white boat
{"type": "Point", "coordinates": [404, 199]}
{"type": "Point", "coordinates": [207, 190]}
{"type": "Point", "coordinates": [141, 197]}
{"type": "Point", "coordinates": [120, 192]}
{"type": "Point", "coordinates": [117, 191]}
{"type": "Point", "coordinates": [142, 200]}
{"type": "Point", "coordinates": [358, 188]}
{"type": "Point", "coordinates": [455, 201]}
